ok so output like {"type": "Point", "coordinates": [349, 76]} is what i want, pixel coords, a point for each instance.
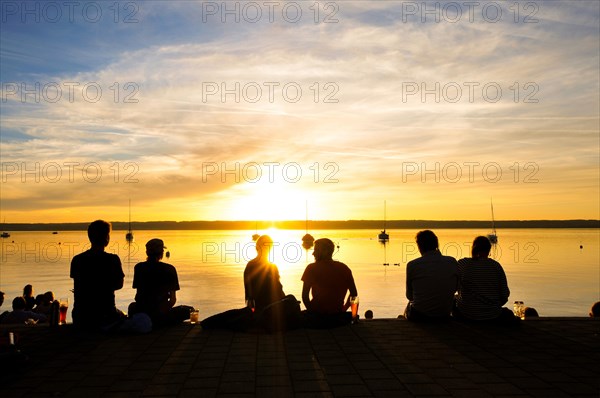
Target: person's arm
{"type": "Point", "coordinates": [165, 305]}
{"type": "Point", "coordinates": [119, 275]}
{"type": "Point", "coordinates": [306, 295]}
{"type": "Point", "coordinates": [172, 298]}
{"type": "Point", "coordinates": [353, 290]}
{"type": "Point", "coordinates": [248, 295]}
{"type": "Point", "coordinates": [409, 292]}
{"type": "Point", "coordinates": [39, 317]}
{"type": "Point", "coordinates": [173, 287]}
{"type": "Point", "coordinates": [456, 276]}
{"type": "Point", "coordinates": [503, 286]}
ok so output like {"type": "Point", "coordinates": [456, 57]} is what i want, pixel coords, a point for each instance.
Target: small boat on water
{"type": "Point", "coordinates": [4, 234]}
{"type": "Point", "coordinates": [493, 237]}
{"type": "Point", "coordinates": [384, 236]}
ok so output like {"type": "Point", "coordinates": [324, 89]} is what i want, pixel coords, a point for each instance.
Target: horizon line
{"type": "Point", "coordinates": [325, 220]}
{"type": "Point", "coordinates": [313, 224]}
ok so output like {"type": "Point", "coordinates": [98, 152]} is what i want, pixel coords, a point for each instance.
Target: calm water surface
{"type": "Point", "coordinates": [546, 268]}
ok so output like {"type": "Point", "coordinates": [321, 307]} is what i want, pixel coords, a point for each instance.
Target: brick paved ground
{"type": "Point", "coordinates": [549, 357]}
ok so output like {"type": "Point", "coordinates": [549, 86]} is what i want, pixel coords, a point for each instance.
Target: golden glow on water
{"type": "Point", "coordinates": [545, 267]}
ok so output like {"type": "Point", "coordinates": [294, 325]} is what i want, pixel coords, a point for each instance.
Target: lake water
{"type": "Point", "coordinates": [557, 271]}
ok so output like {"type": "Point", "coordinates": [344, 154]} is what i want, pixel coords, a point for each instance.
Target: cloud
{"type": "Point", "coordinates": [230, 98]}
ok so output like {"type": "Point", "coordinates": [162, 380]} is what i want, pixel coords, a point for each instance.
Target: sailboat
{"type": "Point", "coordinates": [308, 240]}
{"type": "Point", "coordinates": [384, 236]}
{"type": "Point", "coordinates": [493, 237]}
{"type": "Point", "coordinates": [129, 234]}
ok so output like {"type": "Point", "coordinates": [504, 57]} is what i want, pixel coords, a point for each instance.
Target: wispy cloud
{"type": "Point", "coordinates": [356, 110]}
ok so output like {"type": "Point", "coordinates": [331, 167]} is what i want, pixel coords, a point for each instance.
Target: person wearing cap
{"type": "Point", "coordinates": [96, 276]}
{"type": "Point", "coordinates": [157, 283]}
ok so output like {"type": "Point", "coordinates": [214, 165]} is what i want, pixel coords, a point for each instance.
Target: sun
{"type": "Point", "coordinates": [267, 201]}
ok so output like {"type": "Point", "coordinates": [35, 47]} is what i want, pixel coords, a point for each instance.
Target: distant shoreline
{"type": "Point", "coordinates": [301, 224]}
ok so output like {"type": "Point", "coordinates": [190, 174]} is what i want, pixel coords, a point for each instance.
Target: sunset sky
{"type": "Point", "coordinates": [194, 115]}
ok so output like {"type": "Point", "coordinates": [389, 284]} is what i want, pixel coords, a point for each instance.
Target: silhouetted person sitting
{"type": "Point", "coordinates": [595, 310]}
{"type": "Point", "coordinates": [43, 303]}
{"type": "Point", "coordinates": [431, 281]}
{"type": "Point", "coordinates": [261, 277]}
{"type": "Point", "coordinates": [273, 310]}
{"type": "Point", "coordinates": [483, 288]}
{"type": "Point", "coordinates": [157, 285]}
{"type": "Point", "coordinates": [96, 275]}
{"type": "Point", "coordinates": [29, 297]}
{"type": "Point", "coordinates": [329, 281]}
{"type": "Point", "coordinates": [19, 314]}
{"type": "Point", "coordinates": [267, 306]}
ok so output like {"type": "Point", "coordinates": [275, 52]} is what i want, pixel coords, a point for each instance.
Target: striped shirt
{"type": "Point", "coordinates": [482, 290]}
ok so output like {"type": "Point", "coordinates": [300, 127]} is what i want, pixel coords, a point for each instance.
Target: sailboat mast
{"type": "Point", "coordinates": [306, 208]}
{"type": "Point", "coordinates": [384, 214]}
{"type": "Point", "coordinates": [129, 234]}
{"type": "Point", "coordinates": [493, 220]}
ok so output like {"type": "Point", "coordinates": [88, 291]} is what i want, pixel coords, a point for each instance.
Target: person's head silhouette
{"type": "Point", "coordinates": [324, 249]}
{"type": "Point", "coordinates": [155, 249]}
{"type": "Point", "coordinates": [427, 241]}
{"type": "Point", "coordinates": [18, 303]}
{"type": "Point", "coordinates": [28, 291]}
{"type": "Point", "coordinates": [264, 244]}
{"type": "Point", "coordinates": [530, 312]}
{"type": "Point", "coordinates": [595, 310]}
{"type": "Point", "coordinates": [481, 247]}
{"type": "Point", "coordinates": [99, 233]}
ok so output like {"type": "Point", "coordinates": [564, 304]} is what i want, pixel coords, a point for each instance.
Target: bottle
{"type": "Point", "coordinates": [54, 314]}
{"type": "Point", "coordinates": [521, 309]}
